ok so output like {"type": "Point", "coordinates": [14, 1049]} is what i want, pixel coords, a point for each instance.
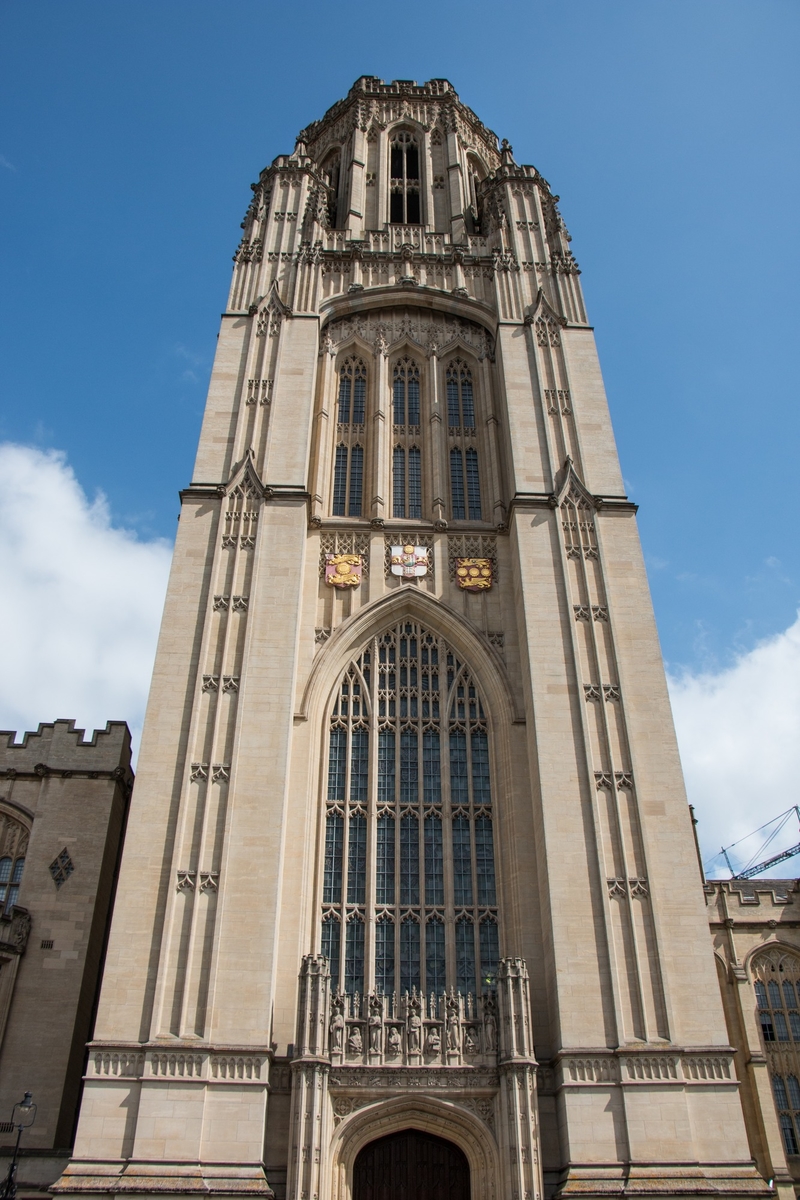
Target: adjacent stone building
{"type": "Point", "coordinates": [409, 895]}
{"type": "Point", "coordinates": [63, 807]}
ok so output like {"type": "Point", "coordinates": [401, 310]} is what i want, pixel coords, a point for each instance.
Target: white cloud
{"type": "Point", "coordinates": [739, 735]}
{"type": "Point", "coordinates": [80, 603]}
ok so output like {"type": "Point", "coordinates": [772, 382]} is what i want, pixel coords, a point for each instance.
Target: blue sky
{"type": "Point", "coordinates": [669, 128]}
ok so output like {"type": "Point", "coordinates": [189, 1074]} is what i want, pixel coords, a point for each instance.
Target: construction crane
{"type": "Point", "coordinates": [756, 868]}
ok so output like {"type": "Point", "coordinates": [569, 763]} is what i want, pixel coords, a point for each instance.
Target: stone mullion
{"type": "Point", "coordinates": [213, 803]}
{"type": "Point", "coordinates": [182, 856]}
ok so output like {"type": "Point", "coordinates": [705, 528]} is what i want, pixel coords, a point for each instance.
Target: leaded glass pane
{"type": "Point", "coordinates": [794, 1022]}
{"type": "Point", "coordinates": [357, 860]}
{"type": "Point", "coordinates": [19, 867]}
{"type": "Point", "coordinates": [479, 743]}
{"type": "Point", "coordinates": [435, 980]}
{"type": "Point", "coordinates": [490, 952]}
{"type": "Point", "coordinates": [767, 1029]}
{"type": "Point", "coordinates": [431, 767]}
{"type": "Point", "coordinates": [354, 956]}
{"type": "Point", "coordinates": [484, 861]}
{"type": "Point", "coordinates": [787, 1129]}
{"type": "Point", "coordinates": [344, 398]}
{"type": "Point", "coordinates": [761, 994]}
{"type": "Point", "coordinates": [384, 956]}
{"type": "Point", "coordinates": [386, 755]}
{"type": "Point", "coordinates": [457, 485]}
{"type": "Point", "coordinates": [359, 765]}
{"type": "Point", "coordinates": [774, 994]}
{"type": "Point", "coordinates": [384, 883]}
{"type": "Point", "coordinates": [399, 400]}
{"type": "Point", "coordinates": [779, 1089]}
{"type": "Point", "coordinates": [356, 480]}
{"type": "Point", "coordinates": [409, 860]}
{"type": "Point", "coordinates": [413, 400]}
{"type": "Point", "coordinates": [467, 403]}
{"type": "Point", "coordinates": [399, 482]}
{"type": "Point", "coordinates": [409, 955]}
{"type": "Point", "coordinates": [359, 398]}
{"type": "Point", "coordinates": [414, 484]}
{"type": "Point", "coordinates": [781, 1028]}
{"type": "Point", "coordinates": [788, 994]}
{"type": "Point", "coordinates": [465, 956]}
{"type": "Point", "coordinates": [337, 764]}
{"type": "Point", "coordinates": [340, 482]}
{"type": "Point", "coordinates": [331, 947]}
{"type": "Point", "coordinates": [5, 870]}
{"type": "Point", "coordinates": [462, 865]}
{"type": "Point", "coordinates": [434, 861]}
{"type": "Point", "coordinates": [453, 414]}
{"type": "Point", "coordinates": [793, 1087]}
{"type": "Point", "coordinates": [334, 844]}
{"type": "Point", "coordinates": [409, 769]}
{"type": "Point", "coordinates": [459, 786]}
{"type": "Point", "coordinates": [473, 486]}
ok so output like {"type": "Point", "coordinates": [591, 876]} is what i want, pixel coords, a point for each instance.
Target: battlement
{"type": "Point", "coordinates": [58, 747]}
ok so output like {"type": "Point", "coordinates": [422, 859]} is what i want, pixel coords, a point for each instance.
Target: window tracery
{"type": "Point", "coordinates": [404, 196]}
{"type": "Point", "coordinates": [465, 488]}
{"type": "Point", "coordinates": [348, 471]}
{"type": "Point", "coordinates": [409, 891]}
{"type": "Point", "coordinates": [406, 453]}
{"type": "Point", "coordinates": [777, 991]}
{"type": "Point", "coordinates": [10, 878]}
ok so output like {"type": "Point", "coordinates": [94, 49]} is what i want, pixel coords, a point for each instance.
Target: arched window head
{"type": "Point", "coordinates": [776, 985]}
{"type": "Point", "coordinates": [404, 185]}
{"type": "Point", "coordinates": [10, 878]}
{"type": "Point", "coordinates": [352, 392]}
{"type": "Point", "coordinates": [409, 870]}
{"type": "Point", "coordinates": [405, 392]}
{"type": "Point", "coordinates": [406, 456]}
{"type": "Point", "coordinates": [460, 398]}
{"type": "Point", "coordinates": [348, 472]}
{"type": "Point", "coordinates": [476, 171]}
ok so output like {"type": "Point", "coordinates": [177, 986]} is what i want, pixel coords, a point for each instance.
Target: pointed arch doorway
{"type": "Point", "coordinates": [411, 1165]}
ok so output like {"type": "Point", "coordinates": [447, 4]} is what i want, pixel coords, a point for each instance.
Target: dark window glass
{"type": "Point", "coordinates": [414, 484]}
{"type": "Point", "coordinates": [340, 482]}
{"type": "Point", "coordinates": [357, 860]}
{"type": "Point", "coordinates": [359, 398]}
{"type": "Point", "coordinates": [481, 791]}
{"type": "Point", "coordinates": [345, 386]}
{"type": "Point", "coordinates": [359, 764]}
{"type": "Point", "coordinates": [409, 784]}
{"type": "Point", "coordinates": [779, 1088]}
{"type": "Point", "coordinates": [462, 864]}
{"type": "Point", "coordinates": [465, 956]}
{"type": "Point", "coordinates": [399, 482]}
{"type": "Point", "coordinates": [19, 867]}
{"type": "Point", "coordinates": [788, 994]}
{"type": "Point", "coordinates": [484, 861]}
{"type": "Point", "coordinates": [384, 956]}
{"type": "Point", "coordinates": [337, 764]}
{"type": "Point", "coordinates": [409, 955]}
{"type": "Point", "coordinates": [396, 208]}
{"type": "Point", "coordinates": [431, 768]}
{"type": "Point", "coordinates": [413, 400]}
{"type": "Point", "coordinates": [412, 208]}
{"type": "Point", "coordinates": [490, 953]}
{"type": "Point", "coordinates": [793, 1088]}
{"type": "Point", "coordinates": [781, 1027]}
{"type": "Point", "coordinates": [397, 162]}
{"type": "Point", "coordinates": [434, 956]}
{"type": "Point", "coordinates": [409, 860]}
{"type": "Point", "coordinates": [794, 1021]}
{"type": "Point", "coordinates": [453, 413]}
{"type": "Point", "coordinates": [412, 163]}
{"type": "Point", "coordinates": [457, 485]}
{"type": "Point", "coordinates": [761, 994]}
{"type": "Point", "coordinates": [473, 486]}
{"type": "Point", "coordinates": [467, 403]}
{"type": "Point", "coordinates": [787, 1129]}
{"type": "Point", "coordinates": [386, 755]}
{"type": "Point", "coordinates": [434, 861]}
{"type": "Point", "coordinates": [774, 994]}
{"type": "Point", "coordinates": [399, 400]}
{"type": "Point", "coordinates": [354, 956]}
{"type": "Point", "coordinates": [5, 870]}
{"type": "Point", "coordinates": [331, 946]}
{"type": "Point", "coordinates": [334, 844]}
{"type": "Point", "coordinates": [766, 1027]}
{"type": "Point", "coordinates": [459, 787]}
{"type": "Point", "coordinates": [356, 480]}
{"type": "Point", "coordinates": [384, 885]}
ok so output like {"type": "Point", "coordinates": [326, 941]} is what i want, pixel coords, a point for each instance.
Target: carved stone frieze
{"type": "Point", "coordinates": [422, 328]}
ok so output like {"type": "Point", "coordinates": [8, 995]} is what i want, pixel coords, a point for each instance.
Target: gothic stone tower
{"type": "Point", "coordinates": [409, 883]}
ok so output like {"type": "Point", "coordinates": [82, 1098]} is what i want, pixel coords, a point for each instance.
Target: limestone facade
{"type": "Point", "coordinates": [63, 805]}
{"type": "Point", "coordinates": [409, 806]}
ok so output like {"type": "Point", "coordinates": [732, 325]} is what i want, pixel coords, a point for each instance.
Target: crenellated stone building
{"type": "Point", "coordinates": [409, 882]}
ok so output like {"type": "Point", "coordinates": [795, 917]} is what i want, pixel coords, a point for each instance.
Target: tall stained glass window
{"type": "Point", "coordinates": [409, 782]}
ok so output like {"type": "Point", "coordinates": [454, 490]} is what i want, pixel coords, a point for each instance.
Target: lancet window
{"type": "Point", "coordinates": [465, 488]}
{"type": "Point", "coordinates": [10, 878]}
{"type": "Point", "coordinates": [409, 896]}
{"type": "Point", "coordinates": [777, 989]}
{"type": "Point", "coordinates": [404, 196]}
{"type": "Point", "coordinates": [348, 473]}
{"type": "Point", "coordinates": [406, 453]}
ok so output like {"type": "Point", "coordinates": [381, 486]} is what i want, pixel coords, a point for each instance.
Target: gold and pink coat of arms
{"type": "Point", "coordinates": [343, 570]}
{"type": "Point", "coordinates": [410, 562]}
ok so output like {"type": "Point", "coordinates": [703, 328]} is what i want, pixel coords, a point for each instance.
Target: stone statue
{"type": "Point", "coordinates": [354, 1043]}
{"type": "Point", "coordinates": [393, 1041]}
{"type": "Point", "coordinates": [375, 1022]}
{"type": "Point", "coordinates": [452, 1025]}
{"type": "Point", "coordinates": [490, 1027]}
{"type": "Point", "coordinates": [337, 1025]}
{"type": "Point", "coordinates": [414, 1029]}
{"type": "Point", "coordinates": [433, 1043]}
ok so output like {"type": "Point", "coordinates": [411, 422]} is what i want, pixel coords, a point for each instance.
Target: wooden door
{"type": "Point", "coordinates": [411, 1165]}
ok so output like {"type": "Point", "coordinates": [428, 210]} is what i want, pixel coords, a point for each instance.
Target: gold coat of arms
{"type": "Point", "coordinates": [409, 561]}
{"type": "Point", "coordinates": [343, 570]}
{"type": "Point", "coordinates": [474, 574]}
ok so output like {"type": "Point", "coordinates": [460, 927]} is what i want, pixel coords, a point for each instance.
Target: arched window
{"type": "Point", "coordinates": [404, 197]}
{"type": "Point", "coordinates": [10, 878]}
{"type": "Point", "coordinates": [465, 488]}
{"type": "Point", "coordinates": [348, 472]}
{"type": "Point", "coordinates": [777, 993]}
{"type": "Point", "coordinates": [408, 782]}
{"type": "Point", "coordinates": [330, 171]}
{"type": "Point", "coordinates": [406, 456]}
